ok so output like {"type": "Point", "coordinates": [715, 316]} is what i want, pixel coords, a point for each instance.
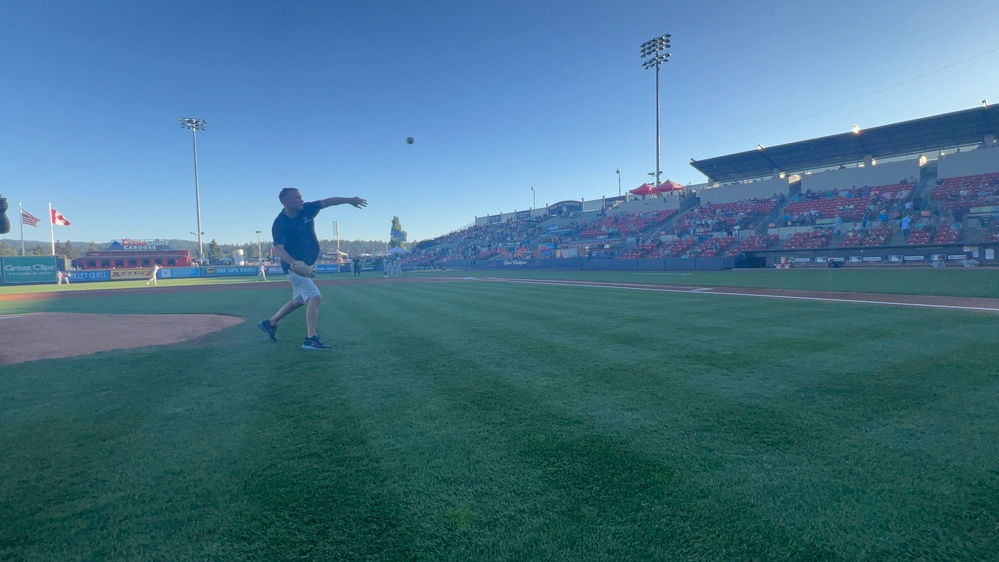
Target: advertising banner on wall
{"type": "Point", "coordinates": [327, 268]}
{"type": "Point", "coordinates": [87, 275]}
{"type": "Point", "coordinates": [130, 274]}
{"type": "Point", "coordinates": [28, 269]}
{"type": "Point", "coordinates": [233, 271]}
{"type": "Point", "coordinates": [179, 272]}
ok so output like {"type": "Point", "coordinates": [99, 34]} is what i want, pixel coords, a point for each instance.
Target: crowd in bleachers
{"type": "Point", "coordinates": [857, 217]}
{"type": "Point", "coordinates": [726, 217]}
{"type": "Point", "coordinates": [863, 236]}
{"type": "Point", "coordinates": [967, 191]}
{"type": "Point", "coordinates": [818, 238]}
{"type": "Point", "coordinates": [521, 237]}
{"type": "Point", "coordinates": [755, 243]}
{"type": "Point", "coordinates": [623, 224]}
{"type": "Point", "coordinates": [849, 204]}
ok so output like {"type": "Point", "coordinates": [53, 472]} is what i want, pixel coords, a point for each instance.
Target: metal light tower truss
{"type": "Point", "coordinates": [654, 51]}
{"type": "Point", "coordinates": [196, 125]}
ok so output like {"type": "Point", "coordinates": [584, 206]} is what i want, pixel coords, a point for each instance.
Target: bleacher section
{"type": "Point", "coordinates": [848, 204]}
{"type": "Point", "coordinates": [723, 217]}
{"type": "Point", "coordinates": [807, 240]}
{"type": "Point", "coordinates": [756, 242]}
{"type": "Point", "coordinates": [965, 192]}
{"type": "Point", "coordinates": [620, 225]}
{"type": "Point", "coordinates": [879, 236]}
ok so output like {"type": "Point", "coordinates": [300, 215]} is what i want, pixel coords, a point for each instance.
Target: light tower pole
{"type": "Point", "coordinates": [196, 125]}
{"type": "Point", "coordinates": [534, 192]}
{"type": "Point", "coordinates": [655, 48]}
{"type": "Point", "coordinates": [260, 255]}
{"type": "Point", "coordinates": [618, 182]}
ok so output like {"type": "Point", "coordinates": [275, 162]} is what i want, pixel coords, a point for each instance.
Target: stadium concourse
{"type": "Point", "coordinates": [918, 193]}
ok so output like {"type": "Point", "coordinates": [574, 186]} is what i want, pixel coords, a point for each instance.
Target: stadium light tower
{"type": "Point", "coordinates": [260, 255]}
{"type": "Point", "coordinates": [653, 51]}
{"type": "Point", "coordinates": [534, 192]}
{"type": "Point", "coordinates": [618, 182]}
{"type": "Point", "coordinates": [196, 125]}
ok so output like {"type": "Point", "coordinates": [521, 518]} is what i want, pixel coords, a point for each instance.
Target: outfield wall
{"type": "Point", "coordinates": [584, 264]}
{"type": "Point", "coordinates": [892, 256]}
{"type": "Point", "coordinates": [41, 270]}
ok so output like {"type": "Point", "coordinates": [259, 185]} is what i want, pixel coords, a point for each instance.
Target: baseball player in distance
{"type": "Point", "coordinates": [295, 242]}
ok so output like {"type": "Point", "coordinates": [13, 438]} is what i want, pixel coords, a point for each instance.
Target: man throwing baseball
{"type": "Point", "coordinates": [295, 242]}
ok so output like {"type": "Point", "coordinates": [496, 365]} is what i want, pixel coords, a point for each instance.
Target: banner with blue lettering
{"type": "Point", "coordinates": [88, 275]}
{"type": "Point", "coordinates": [230, 271]}
{"type": "Point", "coordinates": [179, 272]}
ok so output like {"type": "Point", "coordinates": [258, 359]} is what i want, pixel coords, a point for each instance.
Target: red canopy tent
{"type": "Point", "coordinates": [666, 186]}
{"type": "Point", "coordinates": [644, 189]}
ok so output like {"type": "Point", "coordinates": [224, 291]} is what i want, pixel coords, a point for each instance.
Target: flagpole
{"type": "Point", "coordinates": [51, 229]}
{"type": "Point", "coordinates": [21, 216]}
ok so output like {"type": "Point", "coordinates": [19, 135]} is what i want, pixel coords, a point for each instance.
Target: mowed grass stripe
{"type": "Point", "coordinates": [308, 486]}
{"type": "Point", "coordinates": [121, 456]}
{"type": "Point", "coordinates": [551, 463]}
{"type": "Point", "coordinates": [776, 424]}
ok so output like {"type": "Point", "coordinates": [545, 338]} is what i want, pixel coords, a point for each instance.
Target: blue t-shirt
{"type": "Point", "coordinates": [298, 234]}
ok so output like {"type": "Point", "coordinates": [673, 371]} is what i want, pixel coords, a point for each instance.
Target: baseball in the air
{"type": "Point", "coordinates": [409, 140]}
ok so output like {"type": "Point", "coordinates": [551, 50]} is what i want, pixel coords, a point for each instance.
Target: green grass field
{"type": "Point", "coordinates": [477, 420]}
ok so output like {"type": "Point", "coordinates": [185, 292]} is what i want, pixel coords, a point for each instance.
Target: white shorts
{"type": "Point", "coordinates": [303, 288]}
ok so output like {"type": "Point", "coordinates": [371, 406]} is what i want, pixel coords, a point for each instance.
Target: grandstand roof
{"type": "Point", "coordinates": [928, 134]}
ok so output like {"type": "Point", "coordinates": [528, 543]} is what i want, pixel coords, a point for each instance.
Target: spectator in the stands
{"type": "Point", "coordinates": [906, 226]}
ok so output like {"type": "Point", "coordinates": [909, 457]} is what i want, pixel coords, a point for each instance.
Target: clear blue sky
{"type": "Point", "coordinates": [499, 95]}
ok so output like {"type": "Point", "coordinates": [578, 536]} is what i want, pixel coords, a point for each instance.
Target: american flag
{"type": "Point", "coordinates": [29, 219]}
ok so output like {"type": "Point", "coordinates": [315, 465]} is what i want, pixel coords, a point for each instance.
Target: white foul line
{"type": "Point", "coordinates": [711, 291]}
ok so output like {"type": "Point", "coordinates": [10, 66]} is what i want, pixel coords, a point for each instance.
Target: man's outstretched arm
{"type": "Point", "coordinates": [355, 201]}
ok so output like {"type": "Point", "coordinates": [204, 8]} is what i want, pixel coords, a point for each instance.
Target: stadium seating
{"type": "Point", "coordinates": [724, 216]}
{"type": "Point", "coordinates": [848, 204]}
{"type": "Point", "coordinates": [917, 238]}
{"type": "Point", "coordinates": [947, 235]}
{"type": "Point", "coordinates": [676, 248]}
{"type": "Point", "coordinates": [807, 240]}
{"type": "Point", "coordinates": [965, 192]}
{"type": "Point", "coordinates": [754, 243]}
{"type": "Point", "coordinates": [877, 237]}
{"type": "Point", "coordinates": [713, 247]}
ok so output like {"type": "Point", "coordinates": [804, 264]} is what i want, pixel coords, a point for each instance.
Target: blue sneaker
{"type": "Point", "coordinates": [268, 329]}
{"type": "Point", "coordinates": [314, 343]}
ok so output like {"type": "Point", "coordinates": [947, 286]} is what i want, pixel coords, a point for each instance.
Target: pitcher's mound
{"type": "Point", "coordinates": [52, 335]}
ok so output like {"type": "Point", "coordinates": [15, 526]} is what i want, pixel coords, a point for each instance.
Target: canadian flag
{"type": "Point", "coordinates": [58, 219]}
